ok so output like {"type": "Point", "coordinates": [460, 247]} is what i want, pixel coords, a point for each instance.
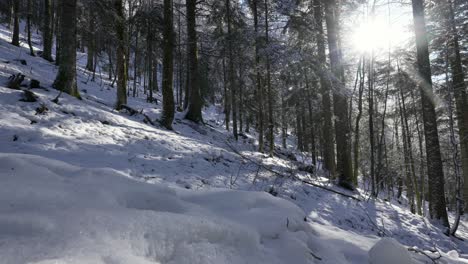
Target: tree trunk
{"type": "Point", "coordinates": [437, 205]}
{"type": "Point", "coordinates": [28, 23]}
{"type": "Point", "coordinates": [327, 129]}
{"type": "Point", "coordinates": [90, 42]}
{"type": "Point", "coordinates": [271, 125]}
{"type": "Point", "coordinates": [168, 67]}
{"type": "Point", "coordinates": [232, 85]}
{"type": "Point", "coordinates": [15, 37]}
{"type": "Point", "coordinates": [47, 35]}
{"type": "Point", "coordinates": [461, 99]}
{"type": "Point", "coordinates": [358, 120]}
{"type": "Point", "coordinates": [194, 112]}
{"type": "Point", "coordinates": [370, 98]}
{"type": "Point", "coordinates": [121, 55]}
{"type": "Point", "coordinates": [257, 79]}
{"type": "Point", "coordinates": [340, 105]}
{"type": "Point", "coordinates": [66, 77]}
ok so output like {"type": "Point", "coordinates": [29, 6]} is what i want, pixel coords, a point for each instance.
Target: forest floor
{"type": "Point", "coordinates": [83, 183]}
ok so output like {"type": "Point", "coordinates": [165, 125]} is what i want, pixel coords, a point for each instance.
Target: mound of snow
{"type": "Point", "coordinates": [389, 251]}
{"type": "Point", "coordinates": [53, 212]}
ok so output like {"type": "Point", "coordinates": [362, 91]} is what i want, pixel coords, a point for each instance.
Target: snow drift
{"type": "Point", "coordinates": [53, 212]}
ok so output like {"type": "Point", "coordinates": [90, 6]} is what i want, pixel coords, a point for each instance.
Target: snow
{"type": "Point", "coordinates": [389, 251]}
{"type": "Point", "coordinates": [70, 214]}
{"type": "Point", "coordinates": [84, 183]}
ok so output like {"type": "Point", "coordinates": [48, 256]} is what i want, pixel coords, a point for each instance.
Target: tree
{"type": "Point", "coordinates": [47, 35]}
{"type": "Point", "coordinates": [66, 77]}
{"type": "Point", "coordinates": [194, 113]}
{"type": "Point", "coordinates": [232, 85]}
{"type": "Point", "coordinates": [15, 38]}
{"type": "Point", "coordinates": [121, 55]}
{"type": "Point", "coordinates": [168, 67]}
{"type": "Point", "coordinates": [340, 105]}
{"type": "Point", "coordinates": [327, 128]}
{"type": "Point", "coordinates": [437, 207]}
{"type": "Point", "coordinates": [28, 25]}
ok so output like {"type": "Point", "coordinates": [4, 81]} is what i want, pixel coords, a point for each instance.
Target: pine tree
{"type": "Point", "coordinates": [437, 205]}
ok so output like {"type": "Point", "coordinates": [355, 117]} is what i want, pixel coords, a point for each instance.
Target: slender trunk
{"type": "Point", "coordinates": [121, 55]}
{"type": "Point", "coordinates": [90, 42]}
{"type": "Point", "coordinates": [227, 104]}
{"type": "Point", "coordinates": [135, 65]}
{"type": "Point", "coordinates": [257, 79]}
{"type": "Point", "coordinates": [271, 125]}
{"type": "Point", "coordinates": [168, 67]}
{"type": "Point", "coordinates": [232, 85]}
{"type": "Point", "coordinates": [15, 38]}
{"type": "Point", "coordinates": [370, 98]}
{"type": "Point", "coordinates": [357, 122]}
{"type": "Point", "coordinates": [28, 23]}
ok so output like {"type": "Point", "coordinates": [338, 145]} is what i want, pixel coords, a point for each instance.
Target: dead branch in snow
{"type": "Point", "coordinates": [267, 168]}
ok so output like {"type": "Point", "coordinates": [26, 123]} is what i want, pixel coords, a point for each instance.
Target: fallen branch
{"type": "Point", "coordinates": [433, 259]}
{"type": "Point", "coordinates": [133, 111]}
{"type": "Point", "coordinates": [293, 176]}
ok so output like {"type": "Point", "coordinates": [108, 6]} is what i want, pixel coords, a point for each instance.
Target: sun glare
{"type": "Point", "coordinates": [376, 35]}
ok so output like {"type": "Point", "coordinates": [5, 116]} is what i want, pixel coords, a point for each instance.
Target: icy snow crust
{"type": "Point", "coordinates": [86, 184]}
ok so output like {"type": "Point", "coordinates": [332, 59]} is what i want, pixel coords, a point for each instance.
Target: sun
{"type": "Point", "coordinates": [376, 35]}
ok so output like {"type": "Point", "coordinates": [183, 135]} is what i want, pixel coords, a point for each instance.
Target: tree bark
{"type": "Point", "coordinates": [28, 23]}
{"type": "Point", "coordinates": [437, 204]}
{"type": "Point", "coordinates": [66, 77]}
{"type": "Point", "coordinates": [327, 129]}
{"type": "Point", "coordinates": [15, 37]}
{"type": "Point", "coordinates": [194, 112]}
{"type": "Point", "coordinates": [257, 79]}
{"type": "Point", "coordinates": [121, 55]}
{"type": "Point", "coordinates": [232, 85]}
{"type": "Point", "coordinates": [168, 67]}
{"type": "Point", "coordinates": [47, 35]}
{"type": "Point", "coordinates": [340, 105]}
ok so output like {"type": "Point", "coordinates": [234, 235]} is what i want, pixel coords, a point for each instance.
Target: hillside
{"type": "Point", "coordinates": [83, 183]}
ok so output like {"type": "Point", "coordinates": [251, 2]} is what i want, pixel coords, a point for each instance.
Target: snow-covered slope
{"type": "Point", "coordinates": [82, 183]}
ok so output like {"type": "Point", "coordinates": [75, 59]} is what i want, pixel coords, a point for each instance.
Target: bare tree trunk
{"type": "Point", "coordinates": [90, 42]}
{"type": "Point", "coordinates": [362, 76]}
{"type": "Point", "coordinates": [271, 127]}
{"type": "Point", "coordinates": [342, 129]}
{"type": "Point", "coordinates": [121, 55]}
{"type": "Point", "coordinates": [66, 77]}
{"type": "Point", "coordinates": [327, 129]}
{"type": "Point", "coordinates": [47, 35]}
{"type": "Point", "coordinates": [168, 67]}
{"type": "Point", "coordinates": [227, 104]}
{"type": "Point", "coordinates": [370, 98]}
{"type": "Point", "coordinates": [437, 205]}
{"type": "Point", "coordinates": [194, 112]}
{"type": "Point", "coordinates": [28, 23]}
{"type": "Point", "coordinates": [15, 37]}
{"type": "Point", "coordinates": [232, 85]}
{"type": "Point", "coordinates": [257, 79]}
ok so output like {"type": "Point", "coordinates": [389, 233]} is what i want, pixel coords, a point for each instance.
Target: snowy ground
{"type": "Point", "coordinates": [83, 183]}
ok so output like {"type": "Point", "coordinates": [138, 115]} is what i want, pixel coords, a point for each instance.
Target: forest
{"type": "Point", "coordinates": [150, 112]}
